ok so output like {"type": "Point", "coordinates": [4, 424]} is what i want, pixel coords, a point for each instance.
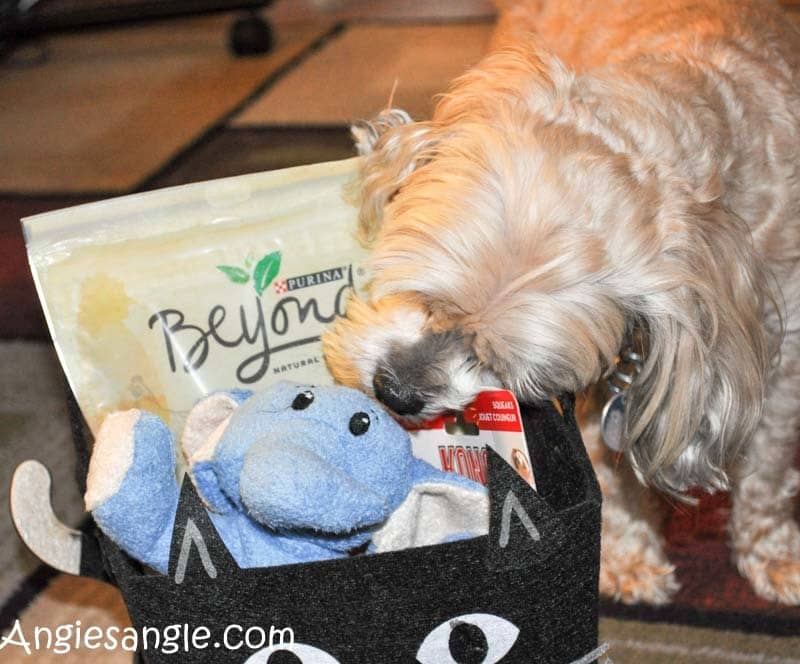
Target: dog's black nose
{"type": "Point", "coordinates": [390, 391]}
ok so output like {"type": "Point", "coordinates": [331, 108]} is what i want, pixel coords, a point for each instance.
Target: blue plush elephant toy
{"type": "Point", "coordinates": [293, 474]}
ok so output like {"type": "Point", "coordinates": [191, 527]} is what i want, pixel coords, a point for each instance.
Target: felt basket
{"type": "Point", "coordinates": [525, 592]}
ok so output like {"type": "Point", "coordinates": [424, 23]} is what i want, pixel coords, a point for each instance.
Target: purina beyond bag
{"type": "Point", "coordinates": [155, 299]}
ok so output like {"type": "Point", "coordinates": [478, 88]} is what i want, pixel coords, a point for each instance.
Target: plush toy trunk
{"type": "Point", "coordinates": [534, 578]}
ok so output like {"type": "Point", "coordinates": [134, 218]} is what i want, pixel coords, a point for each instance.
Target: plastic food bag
{"type": "Point", "coordinates": [156, 299]}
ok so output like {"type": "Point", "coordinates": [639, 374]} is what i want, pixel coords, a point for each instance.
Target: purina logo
{"type": "Point", "coordinates": [267, 269]}
{"type": "Point", "coordinates": [312, 279]}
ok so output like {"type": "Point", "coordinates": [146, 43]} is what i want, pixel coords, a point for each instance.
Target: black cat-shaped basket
{"type": "Point", "coordinates": [525, 592]}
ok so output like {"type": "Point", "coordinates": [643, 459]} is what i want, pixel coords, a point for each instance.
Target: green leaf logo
{"type": "Point", "coordinates": [236, 274]}
{"type": "Point", "coordinates": [266, 270]}
{"type": "Point", "coordinates": [263, 274]}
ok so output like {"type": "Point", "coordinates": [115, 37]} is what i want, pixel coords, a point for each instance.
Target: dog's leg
{"type": "Point", "coordinates": [633, 566]}
{"type": "Point", "coordinates": [765, 537]}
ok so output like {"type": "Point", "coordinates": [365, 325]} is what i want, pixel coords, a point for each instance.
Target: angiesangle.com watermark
{"type": "Point", "coordinates": [169, 640]}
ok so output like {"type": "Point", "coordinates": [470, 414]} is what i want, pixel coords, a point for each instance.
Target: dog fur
{"type": "Point", "coordinates": [611, 175]}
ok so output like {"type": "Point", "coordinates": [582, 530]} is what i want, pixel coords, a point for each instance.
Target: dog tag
{"type": "Point", "coordinates": [612, 422]}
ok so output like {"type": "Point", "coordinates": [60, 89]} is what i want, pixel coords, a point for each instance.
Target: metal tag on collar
{"type": "Point", "coordinates": [612, 419]}
{"type": "Point", "coordinates": [612, 422]}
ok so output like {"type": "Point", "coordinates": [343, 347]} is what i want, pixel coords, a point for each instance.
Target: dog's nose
{"type": "Point", "coordinates": [391, 392]}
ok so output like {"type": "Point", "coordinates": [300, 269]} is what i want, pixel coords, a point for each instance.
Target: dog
{"type": "Point", "coordinates": [610, 176]}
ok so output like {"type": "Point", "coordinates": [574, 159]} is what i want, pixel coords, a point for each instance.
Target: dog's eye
{"type": "Point", "coordinates": [303, 400]}
{"type": "Point", "coordinates": [359, 424]}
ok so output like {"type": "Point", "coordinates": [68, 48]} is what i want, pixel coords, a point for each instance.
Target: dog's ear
{"type": "Point", "coordinates": [699, 397]}
{"type": "Point", "coordinates": [366, 133]}
{"type": "Point", "coordinates": [393, 146]}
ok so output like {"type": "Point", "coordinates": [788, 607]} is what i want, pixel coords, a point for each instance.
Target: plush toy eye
{"type": "Point", "coordinates": [359, 424]}
{"type": "Point", "coordinates": [303, 400]}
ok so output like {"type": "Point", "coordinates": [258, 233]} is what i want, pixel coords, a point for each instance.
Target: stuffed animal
{"type": "Point", "coordinates": [293, 474]}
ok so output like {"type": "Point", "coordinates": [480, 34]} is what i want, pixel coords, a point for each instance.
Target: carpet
{"type": "Point", "coordinates": [73, 602]}
{"type": "Point", "coordinates": [712, 592]}
{"type": "Point", "coordinates": [101, 111]}
{"type": "Point", "coordinates": [635, 642]}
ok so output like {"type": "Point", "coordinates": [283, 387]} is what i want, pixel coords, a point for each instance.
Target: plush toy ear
{"type": "Point", "coordinates": [206, 417]}
{"type": "Point", "coordinates": [204, 427]}
{"type": "Point", "coordinates": [439, 507]}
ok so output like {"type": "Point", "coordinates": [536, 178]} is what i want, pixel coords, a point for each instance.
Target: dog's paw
{"type": "Point", "coordinates": [772, 564]}
{"type": "Point", "coordinates": [635, 581]}
{"type": "Point", "coordinates": [634, 569]}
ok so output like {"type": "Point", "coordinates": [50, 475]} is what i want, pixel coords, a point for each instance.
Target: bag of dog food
{"type": "Point", "coordinates": [156, 299]}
